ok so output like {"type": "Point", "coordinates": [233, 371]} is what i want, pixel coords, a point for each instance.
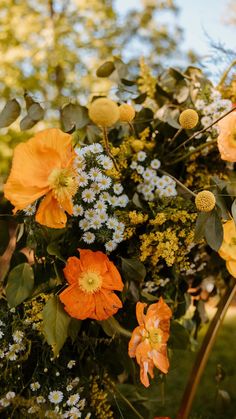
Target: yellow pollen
{"type": "Point", "coordinates": [90, 281]}
{"type": "Point", "coordinates": [155, 336]}
{"type": "Point", "coordinates": [63, 183]}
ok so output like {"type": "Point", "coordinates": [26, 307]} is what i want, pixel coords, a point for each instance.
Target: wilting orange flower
{"type": "Point", "coordinates": [148, 341]}
{"type": "Point", "coordinates": [92, 279]}
{"type": "Point", "coordinates": [228, 248]}
{"type": "Point", "coordinates": [43, 166]}
{"type": "Point", "coordinates": [227, 137]}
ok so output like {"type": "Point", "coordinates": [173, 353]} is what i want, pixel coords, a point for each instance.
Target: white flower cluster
{"type": "Point", "coordinates": [152, 185]}
{"type": "Point", "coordinates": [12, 350]}
{"type": "Point", "coordinates": [210, 110]}
{"type": "Point", "coordinates": [98, 197]}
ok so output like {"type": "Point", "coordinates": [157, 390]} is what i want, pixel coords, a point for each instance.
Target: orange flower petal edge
{"type": "Point", "coordinates": [227, 137]}
{"type": "Point", "coordinates": [148, 343]}
{"type": "Point", "coordinates": [227, 250]}
{"type": "Point", "coordinates": [92, 279]}
{"type": "Point", "coordinates": [43, 167]}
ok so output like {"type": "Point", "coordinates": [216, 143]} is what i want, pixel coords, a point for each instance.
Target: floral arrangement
{"type": "Point", "coordinates": [120, 212]}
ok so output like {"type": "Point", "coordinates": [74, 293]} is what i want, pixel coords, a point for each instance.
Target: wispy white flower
{"type": "Point", "coordinates": [18, 336]}
{"type": "Point", "coordinates": [30, 209]}
{"type": "Point", "coordinates": [140, 169]}
{"type": "Point", "coordinates": [40, 399]}
{"type": "Point", "coordinates": [96, 187]}
{"type": "Point", "coordinates": [148, 174]}
{"type": "Point", "coordinates": [105, 196]}
{"type": "Point", "coordinates": [122, 201]}
{"type": "Point", "coordinates": [88, 237]}
{"type": "Point", "coordinates": [90, 213]}
{"type": "Point", "coordinates": [84, 224]}
{"type": "Point", "coordinates": [95, 223]}
{"type": "Point", "coordinates": [35, 386]}
{"type": "Point", "coordinates": [113, 200]}
{"type": "Point", "coordinates": [141, 156]}
{"type": "Point", "coordinates": [69, 387]}
{"type": "Point", "coordinates": [120, 227]}
{"type": "Point", "coordinates": [1, 334]}
{"type": "Point", "coordinates": [10, 395]}
{"type": "Point", "coordinates": [55, 396]}
{"type": "Point", "coordinates": [133, 165]}
{"type": "Point", "coordinates": [100, 205]}
{"type": "Point", "coordinates": [155, 164]}
{"type": "Point", "coordinates": [71, 364]}
{"type": "Point", "coordinates": [110, 246]}
{"type": "Point", "coordinates": [78, 210]}
{"type": "Point", "coordinates": [118, 188]}
{"type": "Point", "coordinates": [112, 223]}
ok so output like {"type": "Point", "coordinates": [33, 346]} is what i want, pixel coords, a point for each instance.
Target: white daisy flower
{"type": "Point", "coordinates": [88, 237]}
{"type": "Point", "coordinates": [96, 148]}
{"type": "Point", "coordinates": [100, 206]}
{"type": "Point", "coordinates": [140, 169]}
{"type": "Point", "coordinates": [147, 188]}
{"type": "Point", "coordinates": [168, 180]}
{"type": "Point", "coordinates": [88, 195]}
{"type": "Point", "coordinates": [35, 386]}
{"type": "Point", "coordinates": [102, 216]}
{"type": "Point", "coordinates": [118, 188]}
{"type": "Point", "coordinates": [206, 120]}
{"type": "Point", "coordinates": [71, 364]}
{"type": "Point", "coordinates": [73, 399]}
{"type": "Point", "coordinates": [105, 196]}
{"type": "Point", "coordinates": [141, 156]}
{"type": "Point", "coordinates": [120, 227]}
{"type": "Point", "coordinates": [82, 179]}
{"type": "Point", "coordinates": [122, 201]}
{"type": "Point", "coordinates": [10, 395]}
{"type": "Point", "coordinates": [155, 164]}
{"type": "Point", "coordinates": [79, 164]}
{"type": "Point", "coordinates": [148, 174]}
{"type": "Point", "coordinates": [90, 213]}
{"type": "Point", "coordinates": [112, 223]}
{"type": "Point", "coordinates": [95, 173]}
{"type": "Point", "coordinates": [117, 237]}
{"type": "Point", "coordinates": [170, 191]}
{"type": "Point", "coordinates": [105, 161]}
{"type": "Point", "coordinates": [30, 209]}
{"type": "Point", "coordinates": [40, 399]}
{"type": "Point", "coordinates": [110, 246]}
{"type": "Point", "coordinates": [113, 200]}
{"type": "Point", "coordinates": [104, 182]}
{"type": "Point", "coordinates": [133, 165]}
{"type": "Point", "coordinates": [149, 196]}
{"type": "Point", "coordinates": [78, 210]}
{"type": "Point", "coordinates": [84, 224]}
{"type": "Point", "coordinates": [96, 223]}
{"type": "Point", "coordinates": [161, 184]}
{"type": "Point", "coordinates": [55, 396]}
{"type": "Point", "coordinates": [96, 187]}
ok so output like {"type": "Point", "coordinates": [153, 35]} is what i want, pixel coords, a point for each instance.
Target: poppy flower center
{"type": "Point", "coordinates": [155, 336]}
{"type": "Point", "coordinates": [90, 281]}
{"type": "Point", "coordinates": [63, 183]}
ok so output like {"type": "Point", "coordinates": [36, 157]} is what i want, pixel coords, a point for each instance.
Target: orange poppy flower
{"type": "Point", "coordinates": [92, 279]}
{"type": "Point", "coordinates": [228, 248]}
{"type": "Point", "coordinates": [148, 341]}
{"type": "Point", "coordinates": [227, 137]}
{"type": "Point", "coordinates": [43, 166]}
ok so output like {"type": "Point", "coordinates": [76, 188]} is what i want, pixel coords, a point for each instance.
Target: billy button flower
{"type": "Point", "coordinates": [188, 119]}
{"type": "Point", "coordinates": [127, 113]}
{"type": "Point", "coordinates": [205, 201]}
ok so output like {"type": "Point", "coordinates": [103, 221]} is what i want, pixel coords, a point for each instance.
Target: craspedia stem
{"type": "Point", "coordinates": [106, 141]}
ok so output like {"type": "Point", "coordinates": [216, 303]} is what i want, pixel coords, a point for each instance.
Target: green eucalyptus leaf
{"type": "Point", "coordinates": [20, 284]}
{"type": "Point", "coordinates": [26, 123]}
{"type": "Point", "coordinates": [36, 112]}
{"type": "Point", "coordinates": [74, 116]}
{"type": "Point", "coordinates": [133, 269]}
{"type": "Point", "coordinates": [55, 324]}
{"type": "Point", "coordinates": [140, 99]}
{"type": "Point", "coordinates": [200, 226]}
{"type": "Point", "coordinates": [106, 69]}
{"type": "Point", "coordinates": [10, 113]}
{"type": "Point", "coordinates": [214, 230]}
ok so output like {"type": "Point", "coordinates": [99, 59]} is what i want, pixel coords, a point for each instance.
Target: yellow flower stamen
{"type": "Point", "coordinates": [90, 281]}
{"type": "Point", "coordinates": [63, 183]}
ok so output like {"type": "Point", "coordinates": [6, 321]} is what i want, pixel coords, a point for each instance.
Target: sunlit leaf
{"type": "Point", "coordinates": [106, 69]}
{"type": "Point", "coordinates": [10, 113]}
{"type": "Point", "coordinates": [20, 284]}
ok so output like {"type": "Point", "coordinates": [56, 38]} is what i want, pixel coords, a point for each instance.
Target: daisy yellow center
{"type": "Point", "coordinates": [90, 281]}
{"type": "Point", "coordinates": [63, 183]}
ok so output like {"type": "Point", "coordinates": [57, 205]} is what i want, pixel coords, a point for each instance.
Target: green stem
{"type": "Point", "coordinates": [178, 182]}
{"type": "Point", "coordinates": [106, 141]}
{"type": "Point", "coordinates": [199, 148]}
{"type": "Point", "coordinates": [128, 403]}
{"type": "Point", "coordinates": [204, 352]}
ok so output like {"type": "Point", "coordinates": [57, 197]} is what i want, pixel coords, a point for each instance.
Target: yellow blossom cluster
{"type": "Point", "coordinates": [147, 82]}
{"type": "Point", "coordinates": [99, 401]}
{"type": "Point", "coordinates": [137, 217]}
{"type": "Point", "coordinates": [34, 310]}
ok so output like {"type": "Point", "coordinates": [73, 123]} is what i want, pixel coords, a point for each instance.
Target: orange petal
{"type": "Point", "coordinates": [77, 303]}
{"type": "Point", "coordinates": [73, 270]}
{"type": "Point", "coordinates": [146, 367]}
{"type": "Point", "coordinates": [159, 310]}
{"type": "Point", "coordinates": [106, 304]}
{"type": "Point", "coordinates": [135, 340]}
{"type": "Point", "coordinates": [140, 312]}
{"type": "Point", "coordinates": [50, 214]}
{"type": "Point", "coordinates": [160, 359]}
{"type": "Point", "coordinates": [112, 279]}
{"type": "Point", "coordinates": [59, 141]}
{"type": "Point", "coordinates": [95, 261]}
{"type": "Point", "coordinates": [231, 266]}
{"type": "Point", "coordinates": [22, 195]}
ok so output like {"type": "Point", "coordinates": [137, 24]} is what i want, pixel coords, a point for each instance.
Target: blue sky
{"type": "Point", "coordinates": [200, 20]}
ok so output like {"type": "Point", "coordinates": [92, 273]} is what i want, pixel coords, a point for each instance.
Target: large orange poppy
{"type": "Point", "coordinates": [43, 166]}
{"type": "Point", "coordinates": [228, 248]}
{"type": "Point", "coordinates": [227, 137]}
{"type": "Point", "coordinates": [149, 340]}
{"type": "Point", "coordinates": [92, 279]}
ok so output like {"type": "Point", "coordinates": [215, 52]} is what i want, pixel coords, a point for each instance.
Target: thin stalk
{"type": "Point", "coordinates": [176, 135]}
{"type": "Point", "coordinates": [204, 352]}
{"type": "Point", "coordinates": [178, 182]}
{"type": "Point", "coordinates": [203, 130]}
{"type": "Point", "coordinates": [225, 74]}
{"type": "Point", "coordinates": [106, 141]}
{"type": "Point", "coordinates": [132, 129]}
{"type": "Point", "coordinates": [199, 148]}
{"type": "Point", "coordinates": [128, 403]}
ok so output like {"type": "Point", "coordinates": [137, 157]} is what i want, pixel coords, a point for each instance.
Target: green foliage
{"type": "Point", "coordinates": [20, 284]}
{"type": "Point", "coordinates": [10, 113]}
{"type": "Point", "coordinates": [133, 270]}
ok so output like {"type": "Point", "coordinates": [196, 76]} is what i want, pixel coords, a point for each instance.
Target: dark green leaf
{"type": "Point", "coordinates": [133, 269]}
{"type": "Point", "coordinates": [179, 337]}
{"type": "Point", "coordinates": [112, 327]}
{"type": "Point", "coordinates": [200, 226]}
{"type": "Point", "coordinates": [28, 101]}
{"type": "Point", "coordinates": [106, 69]}
{"type": "Point", "coordinates": [10, 113]}
{"type": "Point", "coordinates": [36, 112]}
{"type": "Point", "coordinates": [214, 230]}
{"type": "Point", "coordinates": [55, 324]}
{"type": "Point", "coordinates": [26, 123]}
{"type": "Point", "coordinates": [54, 250]}
{"type": "Point", "coordinates": [74, 328]}
{"type": "Point", "coordinates": [128, 82]}
{"type": "Point", "coordinates": [20, 284]}
{"type": "Point", "coordinates": [140, 99]}
{"type": "Point", "coordinates": [74, 116]}
{"type": "Point", "coordinates": [4, 236]}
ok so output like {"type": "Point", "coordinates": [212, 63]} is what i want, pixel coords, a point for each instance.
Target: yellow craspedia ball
{"type": "Point", "coordinates": [127, 112]}
{"type": "Point", "coordinates": [188, 119]}
{"type": "Point", "coordinates": [104, 112]}
{"type": "Point", "coordinates": [137, 145]}
{"type": "Point", "coordinates": [205, 201]}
